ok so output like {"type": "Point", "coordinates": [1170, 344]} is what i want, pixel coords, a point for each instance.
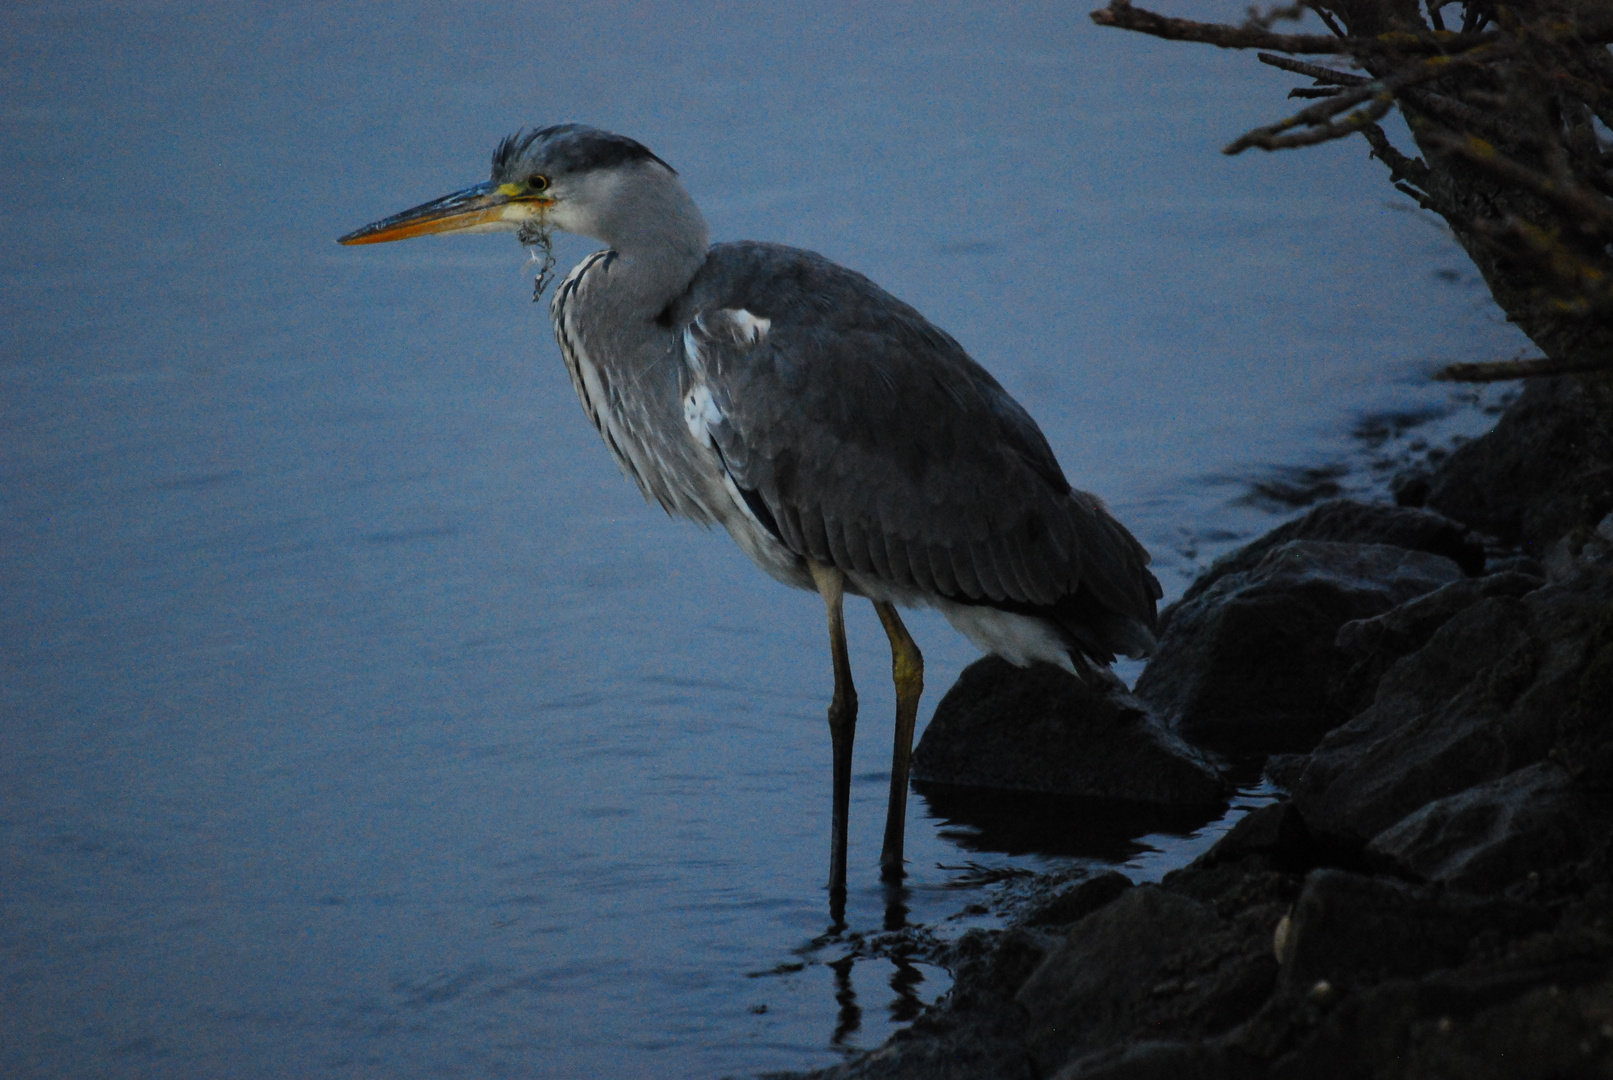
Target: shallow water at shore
{"type": "Point", "coordinates": [358, 719]}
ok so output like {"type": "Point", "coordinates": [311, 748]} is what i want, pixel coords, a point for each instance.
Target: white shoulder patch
{"type": "Point", "coordinates": [700, 412]}
{"type": "Point", "coordinates": [725, 326]}
{"type": "Point", "coordinates": [751, 329]}
{"type": "Point", "coordinates": [730, 327]}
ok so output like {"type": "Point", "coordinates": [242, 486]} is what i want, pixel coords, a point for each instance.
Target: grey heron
{"type": "Point", "coordinates": [845, 442]}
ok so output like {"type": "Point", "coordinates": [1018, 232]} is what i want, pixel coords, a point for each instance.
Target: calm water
{"type": "Point", "coordinates": [357, 718]}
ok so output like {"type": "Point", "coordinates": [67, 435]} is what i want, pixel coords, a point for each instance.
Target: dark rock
{"type": "Point", "coordinates": [1580, 550]}
{"type": "Point", "coordinates": [1149, 963]}
{"type": "Point", "coordinates": [1585, 745]}
{"type": "Point", "coordinates": [1348, 930]}
{"type": "Point", "coordinates": [1346, 521]}
{"type": "Point", "coordinates": [1410, 488]}
{"type": "Point", "coordinates": [1158, 1060]}
{"type": "Point", "coordinates": [1369, 646]}
{"type": "Point", "coordinates": [1545, 1024]}
{"type": "Point", "coordinates": [1516, 564]}
{"type": "Point", "coordinates": [1275, 833]}
{"type": "Point", "coordinates": [1483, 698]}
{"type": "Point", "coordinates": [1492, 834]}
{"type": "Point", "coordinates": [1545, 468]}
{"type": "Point", "coordinates": [1247, 664]}
{"type": "Point", "coordinates": [1274, 830]}
{"type": "Point", "coordinates": [1079, 999]}
{"type": "Point", "coordinates": [1041, 729]}
{"type": "Point", "coordinates": [1078, 901]}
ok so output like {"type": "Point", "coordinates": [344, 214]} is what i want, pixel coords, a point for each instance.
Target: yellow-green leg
{"type": "Point", "coordinates": [907, 669]}
{"type": "Point", "coordinates": [831, 585]}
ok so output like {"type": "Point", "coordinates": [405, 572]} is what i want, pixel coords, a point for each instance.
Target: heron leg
{"type": "Point", "coordinates": [831, 585]}
{"type": "Point", "coordinates": [907, 669]}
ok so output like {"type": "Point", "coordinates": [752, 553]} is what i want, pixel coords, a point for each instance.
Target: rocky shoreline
{"type": "Point", "coordinates": [1431, 685]}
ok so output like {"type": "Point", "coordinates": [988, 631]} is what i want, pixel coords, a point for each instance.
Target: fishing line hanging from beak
{"type": "Point", "coordinates": [537, 239]}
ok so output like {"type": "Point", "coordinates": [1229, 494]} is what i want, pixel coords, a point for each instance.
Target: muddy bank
{"type": "Point", "coordinates": [1431, 684]}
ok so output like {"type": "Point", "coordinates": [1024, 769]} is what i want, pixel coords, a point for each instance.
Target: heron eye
{"type": "Point", "coordinates": [538, 182]}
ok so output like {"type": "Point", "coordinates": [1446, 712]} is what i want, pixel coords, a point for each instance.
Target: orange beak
{"type": "Point", "coordinates": [486, 207]}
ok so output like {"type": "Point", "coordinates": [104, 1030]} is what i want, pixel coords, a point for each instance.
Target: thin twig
{"type": "Point", "coordinates": [1313, 71]}
{"type": "Point", "coordinates": [1401, 167]}
{"type": "Point", "coordinates": [1381, 92]}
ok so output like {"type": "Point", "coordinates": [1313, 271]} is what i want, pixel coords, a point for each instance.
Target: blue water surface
{"type": "Point", "coordinates": [356, 717]}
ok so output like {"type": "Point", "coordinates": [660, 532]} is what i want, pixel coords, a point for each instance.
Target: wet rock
{"type": "Point", "coordinates": [1346, 521]}
{"type": "Point", "coordinates": [1247, 664]}
{"type": "Point", "coordinates": [1041, 729]}
{"type": "Point", "coordinates": [1493, 834]}
{"type": "Point", "coordinates": [1545, 468]}
{"type": "Point", "coordinates": [1410, 487]}
{"type": "Point", "coordinates": [1484, 697]}
{"type": "Point", "coordinates": [1270, 837]}
{"type": "Point", "coordinates": [1078, 901]}
{"type": "Point", "coordinates": [1370, 646]}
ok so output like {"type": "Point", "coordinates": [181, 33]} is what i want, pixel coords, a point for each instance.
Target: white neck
{"type": "Point", "coordinates": [658, 233]}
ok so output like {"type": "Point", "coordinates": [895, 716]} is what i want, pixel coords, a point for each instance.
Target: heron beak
{"type": "Point", "coordinates": [486, 207]}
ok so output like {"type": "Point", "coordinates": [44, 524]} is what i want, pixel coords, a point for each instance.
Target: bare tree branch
{"type": "Point", "coordinates": [1121, 15]}
{"type": "Point", "coordinates": [1380, 93]}
{"type": "Point", "coordinates": [1503, 370]}
{"type": "Point", "coordinates": [1315, 71]}
{"type": "Point", "coordinates": [1510, 114]}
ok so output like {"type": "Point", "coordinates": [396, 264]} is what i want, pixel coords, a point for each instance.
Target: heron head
{"type": "Point", "coordinates": [566, 176]}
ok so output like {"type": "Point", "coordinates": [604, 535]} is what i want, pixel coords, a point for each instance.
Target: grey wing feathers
{"type": "Point", "coordinates": [877, 445]}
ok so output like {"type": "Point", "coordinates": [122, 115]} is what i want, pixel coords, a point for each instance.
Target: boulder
{"type": "Point", "coordinates": [1368, 647]}
{"type": "Point", "coordinates": [1041, 729]}
{"type": "Point", "coordinates": [1581, 549]}
{"type": "Point", "coordinates": [1148, 961]}
{"type": "Point", "coordinates": [1490, 835]}
{"type": "Point", "coordinates": [1487, 695]}
{"type": "Point", "coordinates": [1546, 467]}
{"type": "Point", "coordinates": [1346, 521]}
{"type": "Point", "coordinates": [1158, 1060]}
{"type": "Point", "coordinates": [1349, 930]}
{"type": "Point", "coordinates": [1247, 663]}
{"type": "Point", "coordinates": [1078, 901]}
{"type": "Point", "coordinates": [1545, 1023]}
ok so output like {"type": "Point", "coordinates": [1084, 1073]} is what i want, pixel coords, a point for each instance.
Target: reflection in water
{"type": "Point", "coordinates": [1017, 822]}
{"type": "Point", "coordinates": [906, 946]}
{"type": "Point", "coordinates": [895, 907]}
{"type": "Point", "coordinates": [904, 984]}
{"type": "Point", "coordinates": [837, 909]}
{"type": "Point", "coordinates": [851, 1015]}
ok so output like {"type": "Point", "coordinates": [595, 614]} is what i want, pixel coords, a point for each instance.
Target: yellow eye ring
{"type": "Point", "coordinates": [537, 182]}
